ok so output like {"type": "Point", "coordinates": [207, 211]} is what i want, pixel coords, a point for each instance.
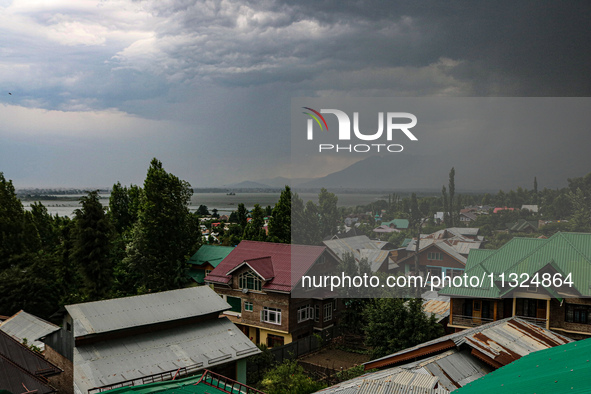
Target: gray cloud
{"type": "Point", "coordinates": [224, 71]}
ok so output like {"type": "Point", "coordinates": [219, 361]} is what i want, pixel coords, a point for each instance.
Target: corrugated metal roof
{"type": "Point", "coordinates": [24, 325]}
{"type": "Point", "coordinates": [25, 358]}
{"type": "Point", "coordinates": [120, 313]}
{"type": "Point", "coordinates": [289, 262]}
{"type": "Point", "coordinates": [375, 257]}
{"type": "Point", "coordinates": [566, 252]}
{"type": "Point", "coordinates": [212, 254]}
{"type": "Point", "coordinates": [503, 340]}
{"type": "Point", "coordinates": [340, 246]}
{"type": "Point", "coordinates": [562, 369]}
{"type": "Point", "coordinates": [15, 380]}
{"type": "Point", "coordinates": [392, 381]}
{"type": "Point", "coordinates": [360, 247]}
{"type": "Point", "coordinates": [206, 344]}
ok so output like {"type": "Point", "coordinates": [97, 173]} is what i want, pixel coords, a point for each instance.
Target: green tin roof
{"type": "Point", "coordinates": [398, 223]}
{"type": "Point", "coordinates": [561, 369]}
{"type": "Point", "coordinates": [210, 254]}
{"type": "Point", "coordinates": [179, 386]}
{"type": "Point", "coordinates": [565, 252]}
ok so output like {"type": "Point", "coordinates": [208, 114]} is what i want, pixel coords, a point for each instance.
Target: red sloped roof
{"type": "Point", "coordinates": [281, 261]}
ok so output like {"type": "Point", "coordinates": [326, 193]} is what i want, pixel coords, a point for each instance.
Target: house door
{"type": "Point", "coordinates": [258, 336]}
{"type": "Point", "coordinates": [541, 309]}
{"type": "Point", "coordinates": [477, 311]}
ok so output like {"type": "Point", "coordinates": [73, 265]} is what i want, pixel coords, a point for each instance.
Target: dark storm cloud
{"type": "Point", "coordinates": [225, 71]}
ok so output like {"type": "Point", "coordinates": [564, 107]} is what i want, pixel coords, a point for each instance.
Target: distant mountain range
{"type": "Point", "coordinates": [405, 172]}
{"type": "Point", "coordinates": [374, 173]}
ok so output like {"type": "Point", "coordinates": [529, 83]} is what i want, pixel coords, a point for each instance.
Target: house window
{"type": "Point", "coordinates": [271, 315]}
{"type": "Point", "coordinates": [305, 313]}
{"type": "Point", "coordinates": [274, 340]}
{"type": "Point", "coordinates": [207, 272]}
{"type": "Point", "coordinates": [434, 271]}
{"type": "Point", "coordinates": [328, 312]}
{"type": "Point", "coordinates": [316, 313]}
{"type": "Point", "coordinates": [250, 281]}
{"type": "Point", "coordinates": [248, 306]}
{"type": "Point", "coordinates": [578, 314]}
{"type": "Point", "coordinates": [434, 256]}
{"type": "Point", "coordinates": [452, 273]}
{"type": "Point", "coordinates": [235, 303]}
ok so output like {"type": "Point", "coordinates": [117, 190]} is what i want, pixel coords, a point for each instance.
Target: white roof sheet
{"type": "Point", "coordinates": [24, 325]}
{"type": "Point", "coordinates": [204, 344]}
{"type": "Point", "coordinates": [120, 313]}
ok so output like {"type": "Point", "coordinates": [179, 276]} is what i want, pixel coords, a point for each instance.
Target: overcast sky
{"type": "Point", "coordinates": [98, 88]}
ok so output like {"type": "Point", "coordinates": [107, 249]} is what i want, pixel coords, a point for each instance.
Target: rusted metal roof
{"type": "Point", "coordinates": [497, 343]}
{"type": "Point", "coordinates": [391, 381]}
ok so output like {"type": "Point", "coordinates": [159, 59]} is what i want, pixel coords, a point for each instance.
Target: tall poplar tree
{"type": "Point", "coordinates": [164, 234]}
{"type": "Point", "coordinates": [280, 222]}
{"type": "Point", "coordinates": [92, 246]}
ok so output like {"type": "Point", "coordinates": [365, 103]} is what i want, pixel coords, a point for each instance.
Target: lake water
{"type": "Point", "coordinates": [224, 203]}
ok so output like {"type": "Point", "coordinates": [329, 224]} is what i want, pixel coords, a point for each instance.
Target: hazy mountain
{"type": "Point", "coordinates": [391, 172]}
{"type": "Point", "coordinates": [280, 182]}
{"type": "Point", "coordinates": [248, 185]}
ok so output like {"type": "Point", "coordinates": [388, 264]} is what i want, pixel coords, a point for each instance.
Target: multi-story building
{"type": "Point", "coordinates": [544, 281]}
{"type": "Point", "coordinates": [257, 279]}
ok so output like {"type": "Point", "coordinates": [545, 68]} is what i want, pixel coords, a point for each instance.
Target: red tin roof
{"type": "Point", "coordinates": [284, 264]}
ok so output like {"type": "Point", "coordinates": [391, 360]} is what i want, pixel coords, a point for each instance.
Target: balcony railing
{"type": "Point", "coordinates": [471, 321]}
{"type": "Point", "coordinates": [534, 321]}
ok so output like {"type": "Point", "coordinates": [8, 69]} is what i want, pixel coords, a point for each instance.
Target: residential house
{"type": "Point", "coordinates": [455, 360]}
{"type": "Point", "coordinates": [523, 226]}
{"type": "Point", "coordinates": [24, 326]}
{"type": "Point", "coordinates": [28, 328]}
{"type": "Point", "coordinates": [400, 224]}
{"type": "Point", "coordinates": [258, 280]}
{"type": "Point", "coordinates": [158, 336]}
{"type": "Point", "coordinates": [531, 208]}
{"type": "Point", "coordinates": [205, 260]}
{"type": "Point", "coordinates": [377, 253]}
{"type": "Point", "coordinates": [466, 217]}
{"type": "Point", "coordinates": [442, 252]}
{"type": "Point", "coordinates": [558, 370]}
{"type": "Point", "coordinates": [23, 371]}
{"type": "Point", "coordinates": [545, 281]}
{"type": "Point", "coordinates": [501, 209]}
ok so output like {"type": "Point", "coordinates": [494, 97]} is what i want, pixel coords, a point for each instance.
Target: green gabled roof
{"type": "Point", "coordinates": [210, 254]}
{"type": "Point", "coordinates": [566, 252]}
{"type": "Point", "coordinates": [561, 369]}
{"type": "Point", "coordinates": [398, 223]}
{"type": "Point", "coordinates": [521, 225]}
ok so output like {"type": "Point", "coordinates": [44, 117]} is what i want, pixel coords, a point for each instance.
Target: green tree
{"type": "Point", "coordinates": [254, 230]}
{"type": "Point", "coordinates": [202, 210]}
{"type": "Point", "coordinates": [328, 213]}
{"type": "Point", "coordinates": [453, 215]}
{"type": "Point", "coordinates": [394, 324]}
{"type": "Point", "coordinates": [165, 232]}
{"type": "Point", "coordinates": [12, 222]}
{"type": "Point", "coordinates": [280, 222]}
{"type": "Point", "coordinates": [289, 378]}
{"type": "Point", "coordinates": [92, 246]}
{"type": "Point", "coordinates": [242, 216]}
